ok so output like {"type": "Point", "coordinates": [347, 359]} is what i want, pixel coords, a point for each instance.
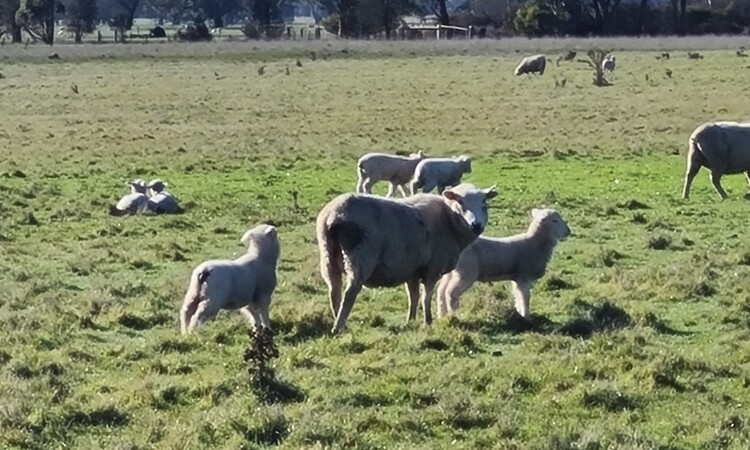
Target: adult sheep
{"type": "Point", "coordinates": [133, 203]}
{"type": "Point", "coordinates": [532, 64]}
{"type": "Point", "coordinates": [397, 170]}
{"type": "Point", "coordinates": [245, 283]}
{"type": "Point", "coordinates": [521, 258]}
{"type": "Point", "coordinates": [373, 241]}
{"type": "Point", "coordinates": [721, 147]}
{"type": "Point", "coordinates": [439, 172]}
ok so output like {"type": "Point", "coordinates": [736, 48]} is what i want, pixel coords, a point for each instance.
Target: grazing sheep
{"type": "Point", "coordinates": [532, 64]}
{"type": "Point", "coordinates": [161, 201]}
{"type": "Point", "coordinates": [373, 241]}
{"type": "Point", "coordinates": [521, 258]}
{"type": "Point", "coordinates": [721, 147]}
{"type": "Point", "coordinates": [245, 283]}
{"type": "Point", "coordinates": [133, 203]}
{"type": "Point", "coordinates": [608, 64]}
{"type": "Point", "coordinates": [397, 170]}
{"type": "Point", "coordinates": [440, 173]}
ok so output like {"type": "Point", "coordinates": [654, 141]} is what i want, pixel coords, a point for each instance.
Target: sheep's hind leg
{"type": "Point", "coordinates": [391, 190]}
{"type": "Point", "coordinates": [716, 180]}
{"type": "Point", "coordinates": [353, 288]}
{"type": "Point", "coordinates": [457, 285]}
{"type": "Point", "coordinates": [412, 292]}
{"type": "Point", "coordinates": [402, 190]}
{"type": "Point", "coordinates": [206, 310]}
{"type": "Point", "coordinates": [690, 173]}
{"type": "Point", "coordinates": [747, 175]}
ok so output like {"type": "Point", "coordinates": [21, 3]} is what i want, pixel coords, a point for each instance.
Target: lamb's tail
{"type": "Point", "coordinates": [361, 177]}
{"type": "Point", "coordinates": [335, 238]}
{"type": "Point", "coordinates": [193, 297]}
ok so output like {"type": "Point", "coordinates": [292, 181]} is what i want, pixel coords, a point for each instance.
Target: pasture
{"type": "Point", "coordinates": [639, 337]}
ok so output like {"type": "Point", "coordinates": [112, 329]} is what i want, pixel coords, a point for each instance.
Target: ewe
{"type": "Point", "coordinates": [521, 258]}
{"type": "Point", "coordinates": [721, 147]}
{"type": "Point", "coordinates": [245, 283]}
{"type": "Point", "coordinates": [373, 241]}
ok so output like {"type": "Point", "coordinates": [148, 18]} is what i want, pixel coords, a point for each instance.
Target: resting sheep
{"type": "Point", "coordinates": [440, 173]}
{"type": "Point", "coordinates": [365, 240]}
{"type": "Point", "coordinates": [397, 170]}
{"type": "Point", "coordinates": [161, 201]}
{"type": "Point", "coordinates": [133, 203]}
{"type": "Point", "coordinates": [608, 64]}
{"type": "Point", "coordinates": [245, 283]}
{"type": "Point", "coordinates": [521, 258]}
{"type": "Point", "coordinates": [532, 64]}
{"type": "Point", "coordinates": [721, 147]}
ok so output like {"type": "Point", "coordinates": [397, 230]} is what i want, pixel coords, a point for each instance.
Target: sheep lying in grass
{"type": "Point", "coordinates": [522, 259]}
{"type": "Point", "coordinates": [133, 203]}
{"type": "Point", "coordinates": [440, 173]}
{"type": "Point", "coordinates": [397, 170]}
{"type": "Point", "coordinates": [532, 64]}
{"type": "Point", "coordinates": [373, 241]}
{"type": "Point", "coordinates": [161, 201]}
{"type": "Point", "coordinates": [245, 283]}
{"type": "Point", "coordinates": [721, 147]}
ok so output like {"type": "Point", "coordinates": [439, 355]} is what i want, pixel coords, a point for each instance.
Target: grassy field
{"type": "Point", "coordinates": [640, 328]}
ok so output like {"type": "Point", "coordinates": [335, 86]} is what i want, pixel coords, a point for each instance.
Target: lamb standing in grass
{"type": "Point", "coordinates": [397, 170]}
{"type": "Point", "coordinates": [161, 201]}
{"type": "Point", "coordinates": [245, 283]}
{"type": "Point", "coordinates": [372, 241]}
{"type": "Point", "coordinates": [532, 64]}
{"type": "Point", "coordinates": [133, 203]}
{"type": "Point", "coordinates": [721, 147]}
{"type": "Point", "coordinates": [522, 258]}
{"type": "Point", "coordinates": [608, 64]}
{"type": "Point", "coordinates": [440, 173]}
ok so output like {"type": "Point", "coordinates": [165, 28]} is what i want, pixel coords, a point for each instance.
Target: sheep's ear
{"type": "Point", "coordinates": [450, 195]}
{"type": "Point", "coordinates": [420, 154]}
{"type": "Point", "coordinates": [490, 192]}
{"type": "Point", "coordinates": [535, 213]}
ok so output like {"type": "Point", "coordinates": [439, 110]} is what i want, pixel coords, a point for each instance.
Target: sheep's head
{"type": "Point", "coordinates": [551, 221]}
{"type": "Point", "coordinates": [419, 156]}
{"type": "Point", "coordinates": [157, 185]}
{"type": "Point", "coordinates": [471, 204]}
{"type": "Point", "coordinates": [465, 162]}
{"type": "Point", "coordinates": [137, 186]}
{"type": "Point", "coordinates": [262, 237]}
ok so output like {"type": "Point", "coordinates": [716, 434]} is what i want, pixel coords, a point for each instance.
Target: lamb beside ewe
{"type": "Point", "coordinates": [521, 258]}
{"type": "Point", "coordinates": [532, 64]}
{"type": "Point", "coordinates": [440, 173]}
{"type": "Point", "coordinates": [373, 241]}
{"type": "Point", "coordinates": [245, 283]}
{"type": "Point", "coordinates": [133, 203]}
{"type": "Point", "coordinates": [161, 201]}
{"type": "Point", "coordinates": [397, 170]}
{"type": "Point", "coordinates": [721, 147]}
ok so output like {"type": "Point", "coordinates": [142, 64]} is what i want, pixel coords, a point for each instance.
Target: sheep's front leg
{"type": "Point", "coordinates": [402, 190]}
{"type": "Point", "coordinates": [522, 295]}
{"type": "Point", "coordinates": [251, 315]}
{"type": "Point", "coordinates": [391, 190]}
{"type": "Point", "coordinates": [412, 292]}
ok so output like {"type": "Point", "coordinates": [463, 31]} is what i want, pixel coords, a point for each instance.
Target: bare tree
{"type": "Point", "coordinates": [596, 57]}
{"type": "Point", "coordinates": [79, 17]}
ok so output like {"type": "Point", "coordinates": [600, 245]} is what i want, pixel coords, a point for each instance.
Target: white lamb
{"type": "Point", "coordinates": [395, 169]}
{"type": "Point", "coordinates": [245, 283]}
{"type": "Point", "coordinates": [365, 240]}
{"type": "Point", "coordinates": [161, 201]}
{"type": "Point", "coordinates": [133, 203]}
{"type": "Point", "coordinates": [608, 64]}
{"type": "Point", "coordinates": [440, 173]}
{"type": "Point", "coordinates": [521, 258]}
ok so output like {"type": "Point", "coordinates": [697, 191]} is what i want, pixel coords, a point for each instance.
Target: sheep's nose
{"type": "Point", "coordinates": [476, 228]}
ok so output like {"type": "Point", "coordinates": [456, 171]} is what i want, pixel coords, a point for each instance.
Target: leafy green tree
{"type": "Point", "coordinates": [80, 16]}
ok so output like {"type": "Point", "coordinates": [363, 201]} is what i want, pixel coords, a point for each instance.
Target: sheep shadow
{"type": "Point", "coordinates": [587, 319]}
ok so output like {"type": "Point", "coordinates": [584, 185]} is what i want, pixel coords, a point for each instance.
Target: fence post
{"type": "Point", "coordinates": [437, 32]}
{"type": "Point", "coordinates": [99, 36]}
{"type": "Point", "coordinates": [317, 33]}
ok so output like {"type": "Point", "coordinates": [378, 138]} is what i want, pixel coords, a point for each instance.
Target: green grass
{"type": "Point", "coordinates": [640, 327]}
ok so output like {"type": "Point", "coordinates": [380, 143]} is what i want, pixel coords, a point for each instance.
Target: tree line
{"type": "Point", "coordinates": [364, 18]}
